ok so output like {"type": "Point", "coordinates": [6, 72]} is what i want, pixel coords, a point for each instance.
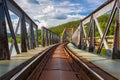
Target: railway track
{"type": "Point", "coordinates": [59, 63]}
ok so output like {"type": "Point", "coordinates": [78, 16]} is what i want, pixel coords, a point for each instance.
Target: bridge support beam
{"type": "Point", "coordinates": [27, 39]}
{"type": "Point", "coordinates": [79, 38]}
{"type": "Point", "coordinates": [32, 38]}
{"type": "Point", "coordinates": [47, 40]}
{"type": "Point", "coordinates": [50, 38]}
{"type": "Point", "coordinates": [37, 45]}
{"type": "Point", "coordinates": [23, 35]}
{"type": "Point", "coordinates": [116, 47]}
{"type": "Point", "coordinates": [4, 49]}
{"type": "Point", "coordinates": [42, 36]}
{"type": "Point", "coordinates": [92, 35]}
{"type": "Point", "coordinates": [82, 44]}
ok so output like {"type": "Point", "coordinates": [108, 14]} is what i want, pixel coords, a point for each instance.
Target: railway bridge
{"type": "Point", "coordinates": [84, 56]}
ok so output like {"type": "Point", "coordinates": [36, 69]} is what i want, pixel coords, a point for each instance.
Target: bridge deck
{"type": "Point", "coordinates": [108, 65]}
{"type": "Point", "coordinates": [8, 65]}
{"type": "Point", "coordinates": [58, 67]}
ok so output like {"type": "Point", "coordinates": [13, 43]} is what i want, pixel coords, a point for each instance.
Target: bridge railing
{"type": "Point", "coordinates": [29, 34]}
{"type": "Point", "coordinates": [87, 40]}
{"type": "Point", "coordinates": [49, 37]}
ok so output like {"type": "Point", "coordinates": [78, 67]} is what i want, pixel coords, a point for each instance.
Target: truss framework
{"type": "Point", "coordinates": [5, 19]}
{"type": "Point", "coordinates": [80, 36]}
{"type": "Point", "coordinates": [49, 37]}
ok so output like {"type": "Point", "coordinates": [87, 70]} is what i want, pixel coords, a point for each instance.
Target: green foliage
{"type": "Point", "coordinates": [10, 40]}
{"type": "Point", "coordinates": [103, 23]}
{"type": "Point", "coordinates": [17, 38]}
{"type": "Point", "coordinates": [59, 29]}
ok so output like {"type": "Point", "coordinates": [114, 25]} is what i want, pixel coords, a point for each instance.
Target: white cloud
{"type": "Point", "coordinates": [42, 23]}
{"type": "Point", "coordinates": [48, 9]}
{"type": "Point", "coordinates": [95, 2]}
{"type": "Point", "coordinates": [52, 13]}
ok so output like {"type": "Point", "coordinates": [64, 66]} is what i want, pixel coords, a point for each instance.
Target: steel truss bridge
{"type": "Point", "coordinates": [78, 57]}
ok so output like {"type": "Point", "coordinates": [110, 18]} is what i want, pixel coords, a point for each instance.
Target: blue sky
{"type": "Point", "coordinates": [54, 12]}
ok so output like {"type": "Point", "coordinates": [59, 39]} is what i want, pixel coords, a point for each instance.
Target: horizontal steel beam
{"type": "Point", "coordinates": [18, 11]}
{"type": "Point", "coordinates": [107, 6]}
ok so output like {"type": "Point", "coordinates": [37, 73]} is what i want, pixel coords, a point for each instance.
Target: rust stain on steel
{"type": "Point", "coordinates": [58, 67]}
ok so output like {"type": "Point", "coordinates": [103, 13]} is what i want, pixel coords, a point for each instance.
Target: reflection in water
{"type": "Point", "coordinates": [13, 53]}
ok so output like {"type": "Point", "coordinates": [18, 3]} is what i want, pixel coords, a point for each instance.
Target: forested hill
{"type": "Point", "coordinates": [74, 24]}
{"type": "Point", "coordinates": [59, 29]}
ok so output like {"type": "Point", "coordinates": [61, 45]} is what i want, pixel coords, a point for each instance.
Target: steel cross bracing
{"type": "Point", "coordinates": [49, 37]}
{"type": "Point", "coordinates": [26, 43]}
{"type": "Point", "coordinates": [89, 38]}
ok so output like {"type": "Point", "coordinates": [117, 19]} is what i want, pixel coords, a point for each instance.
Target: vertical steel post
{"type": "Point", "coordinates": [92, 35]}
{"type": "Point", "coordinates": [86, 42]}
{"type": "Point", "coordinates": [4, 49]}
{"type": "Point", "coordinates": [42, 36]}
{"type": "Point", "coordinates": [50, 38]}
{"type": "Point", "coordinates": [116, 47]}
{"type": "Point", "coordinates": [83, 43]}
{"type": "Point", "coordinates": [31, 36]}
{"type": "Point", "coordinates": [47, 41]}
{"type": "Point", "coordinates": [37, 37]}
{"type": "Point", "coordinates": [34, 41]}
{"type": "Point", "coordinates": [23, 35]}
{"type": "Point", "coordinates": [27, 39]}
{"type": "Point", "coordinates": [53, 39]}
{"type": "Point", "coordinates": [81, 36]}
{"type": "Point", "coordinates": [45, 36]}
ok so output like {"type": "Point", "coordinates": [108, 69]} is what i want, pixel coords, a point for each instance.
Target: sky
{"type": "Point", "coordinates": [51, 13]}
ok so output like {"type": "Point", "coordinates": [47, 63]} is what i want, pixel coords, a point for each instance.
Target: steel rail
{"type": "Point", "coordinates": [96, 75]}
{"type": "Point", "coordinates": [31, 63]}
